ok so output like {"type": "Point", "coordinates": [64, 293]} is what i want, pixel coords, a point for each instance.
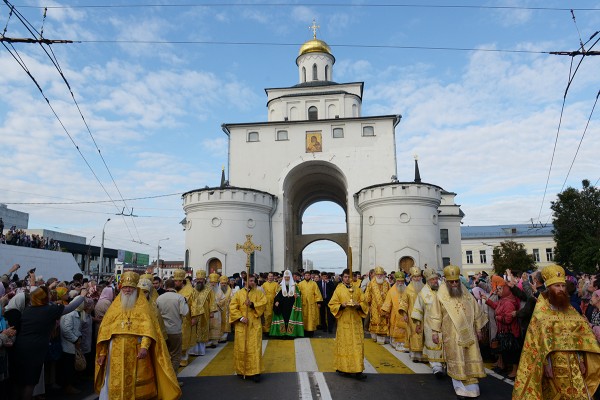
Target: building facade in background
{"type": "Point", "coordinates": [317, 146]}
{"type": "Point", "coordinates": [478, 244]}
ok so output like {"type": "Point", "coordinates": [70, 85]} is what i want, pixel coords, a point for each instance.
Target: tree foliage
{"type": "Point", "coordinates": [512, 255]}
{"type": "Point", "coordinates": [577, 228]}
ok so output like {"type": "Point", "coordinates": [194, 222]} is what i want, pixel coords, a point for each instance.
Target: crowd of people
{"type": "Point", "coordinates": [18, 237]}
{"type": "Point", "coordinates": [132, 335]}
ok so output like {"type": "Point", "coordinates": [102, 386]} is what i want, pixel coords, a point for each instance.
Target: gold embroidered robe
{"type": "Point", "coordinates": [375, 295]}
{"type": "Point", "coordinates": [396, 305]}
{"type": "Point", "coordinates": [120, 336]}
{"type": "Point", "coordinates": [187, 330]}
{"type": "Point", "coordinates": [215, 322]}
{"type": "Point", "coordinates": [459, 319]}
{"type": "Point", "coordinates": [270, 289]}
{"type": "Point", "coordinates": [562, 335]}
{"type": "Point", "coordinates": [349, 347]}
{"type": "Point", "coordinates": [225, 325]}
{"type": "Point", "coordinates": [247, 346]}
{"type": "Point", "coordinates": [415, 340]}
{"type": "Point", "coordinates": [309, 291]}
{"type": "Point", "coordinates": [422, 312]}
{"type": "Point", "coordinates": [205, 301]}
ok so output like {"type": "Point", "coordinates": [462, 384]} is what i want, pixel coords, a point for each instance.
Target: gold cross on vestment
{"type": "Point", "coordinates": [314, 28]}
{"type": "Point", "coordinates": [248, 247]}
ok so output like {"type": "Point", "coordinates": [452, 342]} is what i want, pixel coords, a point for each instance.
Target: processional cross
{"type": "Point", "coordinates": [248, 247]}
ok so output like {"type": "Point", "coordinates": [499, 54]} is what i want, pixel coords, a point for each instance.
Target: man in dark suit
{"type": "Point", "coordinates": [241, 281]}
{"type": "Point", "coordinates": [326, 287]}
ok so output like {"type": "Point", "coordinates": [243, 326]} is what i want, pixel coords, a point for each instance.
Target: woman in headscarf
{"type": "Point", "coordinates": [31, 344]}
{"type": "Point", "coordinates": [106, 298]}
{"type": "Point", "coordinates": [287, 310]}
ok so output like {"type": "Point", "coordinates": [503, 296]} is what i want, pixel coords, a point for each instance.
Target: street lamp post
{"type": "Point", "coordinates": [158, 257]}
{"type": "Point", "coordinates": [101, 269]}
{"type": "Point", "coordinates": [88, 257]}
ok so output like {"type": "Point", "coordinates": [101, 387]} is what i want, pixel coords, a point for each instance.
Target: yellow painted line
{"type": "Point", "coordinates": [222, 364]}
{"type": "Point", "coordinates": [383, 361]}
{"type": "Point", "coordinates": [279, 356]}
{"type": "Point", "coordinates": [324, 353]}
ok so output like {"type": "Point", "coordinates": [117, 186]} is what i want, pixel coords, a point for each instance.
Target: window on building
{"type": "Point", "coordinates": [338, 132]}
{"type": "Point", "coordinates": [313, 113]}
{"type": "Point", "coordinates": [368, 131]}
{"type": "Point", "coordinates": [469, 257]}
{"type": "Point", "coordinates": [444, 236]}
{"type": "Point", "coordinates": [253, 136]}
{"type": "Point", "coordinates": [482, 257]}
{"type": "Point", "coordinates": [327, 72]}
{"type": "Point", "coordinates": [536, 255]}
{"type": "Point", "coordinates": [445, 261]}
{"type": "Point", "coordinates": [549, 254]}
{"type": "Point", "coordinates": [282, 135]}
{"type": "Point", "coordinates": [303, 74]}
{"type": "Point", "coordinates": [315, 72]}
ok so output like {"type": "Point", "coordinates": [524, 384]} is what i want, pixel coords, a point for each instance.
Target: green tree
{"type": "Point", "coordinates": [577, 228]}
{"type": "Point", "coordinates": [512, 255]}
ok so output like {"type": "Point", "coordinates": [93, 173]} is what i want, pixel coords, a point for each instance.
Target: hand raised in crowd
{"type": "Point", "coordinates": [14, 268]}
{"type": "Point", "coordinates": [83, 292]}
{"type": "Point", "coordinates": [10, 331]}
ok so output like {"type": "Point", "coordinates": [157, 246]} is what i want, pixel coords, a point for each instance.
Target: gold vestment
{"type": "Point", "coordinates": [215, 322]}
{"type": "Point", "coordinates": [310, 294]}
{"type": "Point", "coordinates": [225, 325]}
{"type": "Point", "coordinates": [205, 301]}
{"type": "Point", "coordinates": [349, 345]}
{"type": "Point", "coordinates": [270, 289]}
{"type": "Point", "coordinates": [375, 295]}
{"type": "Point", "coordinates": [120, 336]}
{"type": "Point", "coordinates": [422, 312]}
{"type": "Point", "coordinates": [188, 331]}
{"type": "Point", "coordinates": [564, 336]}
{"type": "Point", "coordinates": [415, 340]}
{"type": "Point", "coordinates": [396, 305]}
{"type": "Point", "coordinates": [459, 319]}
{"type": "Point", "coordinates": [247, 349]}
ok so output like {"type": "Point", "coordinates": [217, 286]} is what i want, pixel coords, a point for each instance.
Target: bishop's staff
{"type": "Point", "coordinates": [248, 247]}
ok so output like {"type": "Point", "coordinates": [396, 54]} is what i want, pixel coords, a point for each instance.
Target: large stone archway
{"type": "Point", "coordinates": [306, 184]}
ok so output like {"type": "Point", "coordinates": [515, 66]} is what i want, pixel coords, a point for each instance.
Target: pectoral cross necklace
{"type": "Point", "coordinates": [127, 323]}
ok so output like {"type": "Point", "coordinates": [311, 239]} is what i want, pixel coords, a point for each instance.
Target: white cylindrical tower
{"type": "Point", "coordinates": [400, 221]}
{"type": "Point", "coordinates": [315, 62]}
{"type": "Point", "coordinates": [217, 219]}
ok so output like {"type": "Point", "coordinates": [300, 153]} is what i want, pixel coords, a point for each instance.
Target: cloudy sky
{"type": "Point", "coordinates": [480, 97]}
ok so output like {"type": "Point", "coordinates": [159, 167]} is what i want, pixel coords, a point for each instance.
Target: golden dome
{"type": "Point", "coordinates": [314, 46]}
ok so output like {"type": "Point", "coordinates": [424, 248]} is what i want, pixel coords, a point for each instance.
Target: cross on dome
{"type": "Point", "coordinates": [314, 28]}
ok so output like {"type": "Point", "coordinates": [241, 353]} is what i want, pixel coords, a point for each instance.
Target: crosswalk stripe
{"type": "Point", "coordinates": [305, 358]}
{"type": "Point", "coordinates": [322, 385]}
{"type": "Point", "coordinates": [417, 368]}
{"type": "Point", "coordinates": [369, 369]}
{"type": "Point", "coordinates": [383, 361]}
{"type": "Point", "coordinates": [280, 356]}
{"type": "Point", "coordinates": [323, 352]}
{"type": "Point", "coordinates": [304, 386]}
{"type": "Point", "coordinates": [200, 363]}
{"type": "Point", "coordinates": [221, 364]}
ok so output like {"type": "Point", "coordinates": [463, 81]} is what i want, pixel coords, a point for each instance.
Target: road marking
{"type": "Point", "coordinates": [417, 368]}
{"type": "Point", "coordinates": [323, 350]}
{"type": "Point", "coordinates": [196, 366]}
{"type": "Point", "coordinates": [304, 386]}
{"type": "Point", "coordinates": [369, 369]}
{"type": "Point", "coordinates": [264, 346]}
{"type": "Point", "coordinates": [322, 386]}
{"type": "Point", "coordinates": [305, 358]}
{"type": "Point", "coordinates": [279, 356]}
{"type": "Point", "coordinates": [383, 361]}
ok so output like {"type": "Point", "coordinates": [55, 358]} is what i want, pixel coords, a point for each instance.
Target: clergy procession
{"type": "Point", "coordinates": [136, 335]}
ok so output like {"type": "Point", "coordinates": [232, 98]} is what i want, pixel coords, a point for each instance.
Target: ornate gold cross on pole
{"type": "Point", "coordinates": [248, 247]}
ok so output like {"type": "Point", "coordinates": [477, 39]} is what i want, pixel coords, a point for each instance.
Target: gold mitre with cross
{"type": "Point", "coordinates": [213, 278]}
{"type": "Point", "coordinates": [147, 276]}
{"type": "Point", "coordinates": [553, 274]}
{"type": "Point", "coordinates": [201, 274]}
{"type": "Point", "coordinates": [379, 271]}
{"type": "Point", "coordinates": [224, 279]}
{"type": "Point", "coordinates": [179, 275]}
{"type": "Point", "coordinates": [414, 271]}
{"type": "Point", "coordinates": [452, 273]}
{"type": "Point", "coordinates": [429, 273]}
{"type": "Point", "coordinates": [130, 279]}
